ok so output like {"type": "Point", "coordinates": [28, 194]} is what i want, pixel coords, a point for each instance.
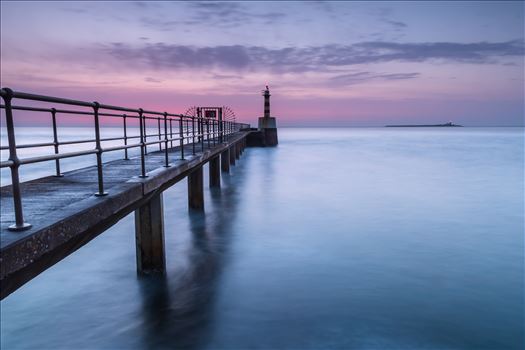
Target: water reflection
{"type": "Point", "coordinates": [341, 239]}
{"type": "Point", "coordinates": [178, 308]}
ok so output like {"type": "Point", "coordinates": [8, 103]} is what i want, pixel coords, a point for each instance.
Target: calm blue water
{"type": "Point", "coordinates": [336, 239]}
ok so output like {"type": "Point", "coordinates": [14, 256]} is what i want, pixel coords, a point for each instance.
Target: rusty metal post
{"type": "Point", "coordinates": [55, 141]}
{"type": "Point", "coordinates": [98, 147]}
{"type": "Point", "coordinates": [19, 224]}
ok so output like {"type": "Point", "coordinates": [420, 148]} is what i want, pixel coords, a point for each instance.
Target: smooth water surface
{"type": "Point", "coordinates": [336, 239]}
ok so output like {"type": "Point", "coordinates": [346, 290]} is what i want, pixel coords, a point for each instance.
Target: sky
{"type": "Point", "coordinates": [327, 63]}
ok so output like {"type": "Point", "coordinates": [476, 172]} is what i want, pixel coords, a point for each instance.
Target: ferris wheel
{"type": "Point", "coordinates": [227, 113]}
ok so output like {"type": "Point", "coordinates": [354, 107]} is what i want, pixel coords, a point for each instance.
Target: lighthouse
{"type": "Point", "coordinates": [267, 124]}
{"type": "Point", "coordinates": [266, 94]}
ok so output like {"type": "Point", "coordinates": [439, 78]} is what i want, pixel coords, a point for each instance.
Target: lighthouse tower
{"type": "Point", "coordinates": [267, 124]}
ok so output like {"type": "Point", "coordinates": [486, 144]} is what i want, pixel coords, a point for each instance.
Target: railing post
{"type": "Point", "coordinates": [125, 137]}
{"type": "Point", "coordinates": [220, 125]}
{"type": "Point", "coordinates": [160, 138]}
{"type": "Point", "coordinates": [171, 132]}
{"type": "Point", "coordinates": [55, 141]}
{"type": "Point", "coordinates": [181, 136]}
{"type": "Point", "coordinates": [201, 123]}
{"type": "Point", "coordinates": [193, 133]}
{"type": "Point", "coordinates": [145, 133]}
{"type": "Point", "coordinates": [213, 131]}
{"type": "Point", "coordinates": [99, 152]}
{"type": "Point", "coordinates": [208, 132]}
{"type": "Point", "coordinates": [19, 224]}
{"type": "Point", "coordinates": [187, 128]}
{"type": "Point", "coordinates": [166, 162]}
{"type": "Point", "coordinates": [142, 145]}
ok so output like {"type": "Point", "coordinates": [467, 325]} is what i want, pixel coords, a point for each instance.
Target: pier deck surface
{"type": "Point", "coordinates": [66, 214]}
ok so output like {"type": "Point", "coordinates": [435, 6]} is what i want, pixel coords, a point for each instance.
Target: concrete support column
{"type": "Point", "coordinates": [215, 172]}
{"type": "Point", "coordinates": [149, 233]}
{"type": "Point", "coordinates": [232, 154]}
{"type": "Point", "coordinates": [237, 150]}
{"type": "Point", "coordinates": [196, 190]}
{"type": "Point", "coordinates": [225, 160]}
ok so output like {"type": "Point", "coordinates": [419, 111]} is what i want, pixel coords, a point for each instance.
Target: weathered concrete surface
{"type": "Point", "coordinates": [196, 189]}
{"type": "Point", "coordinates": [232, 155]}
{"type": "Point", "coordinates": [149, 235]}
{"type": "Point", "coordinates": [267, 123]}
{"type": "Point", "coordinates": [255, 139]}
{"type": "Point", "coordinates": [225, 161]}
{"type": "Point", "coordinates": [66, 215]}
{"type": "Point", "coordinates": [215, 171]}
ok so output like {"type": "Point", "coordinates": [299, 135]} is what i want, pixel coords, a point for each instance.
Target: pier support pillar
{"type": "Point", "coordinates": [149, 233]}
{"type": "Point", "coordinates": [215, 172]}
{"type": "Point", "coordinates": [232, 154]}
{"type": "Point", "coordinates": [237, 150]}
{"type": "Point", "coordinates": [196, 190]}
{"type": "Point", "coordinates": [225, 161]}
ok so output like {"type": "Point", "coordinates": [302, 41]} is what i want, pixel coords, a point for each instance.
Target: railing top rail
{"type": "Point", "coordinates": [27, 96]}
{"type": "Point", "coordinates": [4, 92]}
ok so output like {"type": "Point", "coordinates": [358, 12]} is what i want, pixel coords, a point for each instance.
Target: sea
{"type": "Point", "coordinates": [339, 238]}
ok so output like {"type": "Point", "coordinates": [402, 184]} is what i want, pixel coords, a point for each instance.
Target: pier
{"type": "Point", "coordinates": [45, 220]}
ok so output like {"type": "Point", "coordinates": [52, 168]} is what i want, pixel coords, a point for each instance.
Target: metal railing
{"type": "Point", "coordinates": [191, 129]}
